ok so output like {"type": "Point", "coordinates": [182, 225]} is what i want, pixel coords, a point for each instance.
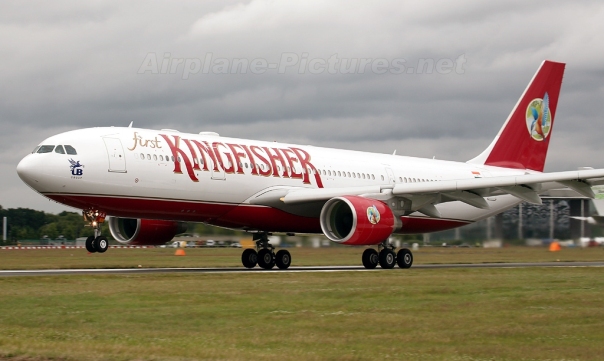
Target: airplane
{"type": "Point", "coordinates": [151, 181]}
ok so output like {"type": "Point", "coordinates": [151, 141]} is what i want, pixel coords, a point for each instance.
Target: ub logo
{"type": "Point", "coordinates": [76, 168]}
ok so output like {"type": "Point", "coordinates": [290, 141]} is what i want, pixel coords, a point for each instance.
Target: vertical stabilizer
{"type": "Point", "coordinates": [523, 140]}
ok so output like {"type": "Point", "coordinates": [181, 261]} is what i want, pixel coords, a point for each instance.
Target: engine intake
{"type": "Point", "coordinates": [354, 220]}
{"type": "Point", "coordinates": [147, 232]}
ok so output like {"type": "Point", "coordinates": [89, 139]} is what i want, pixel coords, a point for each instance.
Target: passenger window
{"type": "Point", "coordinates": [70, 150]}
{"type": "Point", "coordinates": [154, 157]}
{"type": "Point", "coordinates": [46, 149]}
{"type": "Point", "coordinates": [59, 149]}
{"type": "Point", "coordinates": [148, 156]}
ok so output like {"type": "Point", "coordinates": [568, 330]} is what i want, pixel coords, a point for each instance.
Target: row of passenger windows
{"type": "Point", "coordinates": [414, 180]}
{"type": "Point", "coordinates": [347, 174]}
{"type": "Point", "coordinates": [330, 173]}
{"type": "Point", "coordinates": [154, 157]}
{"type": "Point", "coordinates": [61, 149]}
{"type": "Point", "coordinates": [324, 172]}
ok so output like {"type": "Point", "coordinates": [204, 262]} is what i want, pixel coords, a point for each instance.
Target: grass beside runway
{"type": "Point", "coordinates": [422, 314]}
{"type": "Point", "coordinates": [229, 257]}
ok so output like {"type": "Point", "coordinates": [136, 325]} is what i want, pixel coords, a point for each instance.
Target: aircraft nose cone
{"type": "Point", "coordinates": [26, 170]}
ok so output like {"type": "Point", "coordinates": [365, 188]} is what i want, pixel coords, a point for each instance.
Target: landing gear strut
{"type": "Point", "coordinates": [386, 257]}
{"type": "Point", "coordinates": [265, 257]}
{"type": "Point", "coordinates": [96, 243]}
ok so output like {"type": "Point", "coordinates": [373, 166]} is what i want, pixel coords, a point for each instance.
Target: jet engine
{"type": "Point", "coordinates": [354, 220]}
{"type": "Point", "coordinates": [132, 231]}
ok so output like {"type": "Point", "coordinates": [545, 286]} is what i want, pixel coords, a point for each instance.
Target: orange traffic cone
{"type": "Point", "coordinates": [554, 247]}
{"type": "Point", "coordinates": [180, 252]}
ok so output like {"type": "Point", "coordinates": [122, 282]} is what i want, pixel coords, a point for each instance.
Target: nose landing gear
{"type": "Point", "coordinates": [96, 243]}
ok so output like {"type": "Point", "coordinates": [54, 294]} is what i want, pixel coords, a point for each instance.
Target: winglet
{"type": "Point", "coordinates": [523, 140]}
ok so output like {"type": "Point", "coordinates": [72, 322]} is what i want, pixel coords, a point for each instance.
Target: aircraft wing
{"type": "Point", "coordinates": [423, 196]}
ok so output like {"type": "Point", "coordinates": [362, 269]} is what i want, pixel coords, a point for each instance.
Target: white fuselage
{"type": "Point", "coordinates": [204, 177]}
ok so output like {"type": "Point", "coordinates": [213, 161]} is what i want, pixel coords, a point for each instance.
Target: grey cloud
{"type": "Point", "coordinates": [68, 65]}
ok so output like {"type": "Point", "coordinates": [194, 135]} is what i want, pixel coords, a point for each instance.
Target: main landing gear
{"type": "Point", "coordinates": [265, 257]}
{"type": "Point", "coordinates": [386, 257]}
{"type": "Point", "coordinates": [96, 243]}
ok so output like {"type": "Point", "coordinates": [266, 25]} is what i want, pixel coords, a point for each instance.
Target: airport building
{"type": "Point", "coordinates": [564, 215]}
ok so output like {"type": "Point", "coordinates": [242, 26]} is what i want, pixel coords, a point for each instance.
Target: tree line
{"type": "Point", "coordinates": [29, 224]}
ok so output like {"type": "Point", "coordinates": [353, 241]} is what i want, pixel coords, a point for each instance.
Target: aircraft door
{"type": "Point", "coordinates": [217, 171]}
{"type": "Point", "coordinates": [390, 173]}
{"type": "Point", "coordinates": [115, 152]}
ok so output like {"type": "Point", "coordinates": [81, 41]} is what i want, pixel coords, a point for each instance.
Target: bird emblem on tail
{"type": "Point", "coordinates": [538, 118]}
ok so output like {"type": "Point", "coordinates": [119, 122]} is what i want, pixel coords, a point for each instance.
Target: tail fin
{"type": "Point", "coordinates": [524, 138]}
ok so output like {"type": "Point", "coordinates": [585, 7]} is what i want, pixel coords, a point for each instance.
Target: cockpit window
{"type": "Point", "coordinates": [70, 150]}
{"type": "Point", "coordinates": [35, 149]}
{"type": "Point", "coordinates": [46, 148]}
{"type": "Point", "coordinates": [59, 149]}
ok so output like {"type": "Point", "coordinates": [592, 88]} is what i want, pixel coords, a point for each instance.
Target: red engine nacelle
{"type": "Point", "coordinates": [144, 231]}
{"type": "Point", "coordinates": [354, 220]}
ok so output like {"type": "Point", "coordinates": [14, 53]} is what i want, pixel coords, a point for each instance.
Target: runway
{"type": "Point", "coordinates": [64, 272]}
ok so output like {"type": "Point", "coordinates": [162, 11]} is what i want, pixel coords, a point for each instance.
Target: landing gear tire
{"type": "Point", "coordinates": [387, 258]}
{"type": "Point", "coordinates": [283, 259]}
{"type": "Point", "coordinates": [404, 258]}
{"type": "Point", "coordinates": [90, 244]}
{"type": "Point", "coordinates": [266, 258]}
{"type": "Point", "coordinates": [370, 258]}
{"type": "Point", "coordinates": [101, 244]}
{"type": "Point", "coordinates": [249, 258]}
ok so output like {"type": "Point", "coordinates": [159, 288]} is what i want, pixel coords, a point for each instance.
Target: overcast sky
{"type": "Point", "coordinates": [328, 73]}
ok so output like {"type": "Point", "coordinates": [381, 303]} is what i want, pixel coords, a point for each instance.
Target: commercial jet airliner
{"type": "Point", "coordinates": [151, 181]}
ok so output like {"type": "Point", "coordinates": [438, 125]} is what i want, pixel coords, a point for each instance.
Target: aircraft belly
{"type": "Point", "coordinates": [263, 218]}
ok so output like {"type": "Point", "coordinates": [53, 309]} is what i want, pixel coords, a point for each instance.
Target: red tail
{"type": "Point", "coordinates": [523, 140]}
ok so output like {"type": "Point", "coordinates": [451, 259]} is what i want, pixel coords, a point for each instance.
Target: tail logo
{"type": "Point", "coordinates": [539, 118]}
